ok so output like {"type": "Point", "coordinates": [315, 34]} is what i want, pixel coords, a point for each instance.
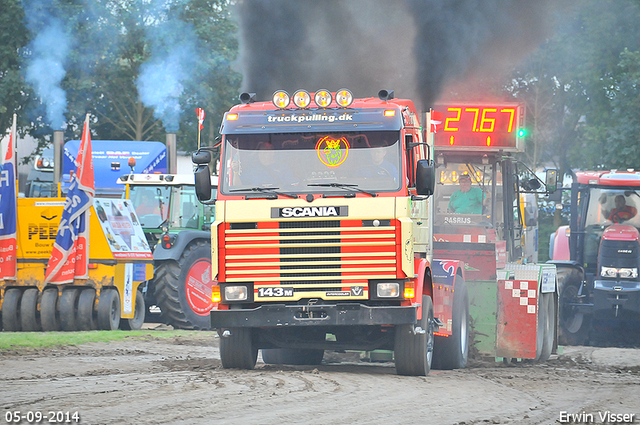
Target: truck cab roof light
{"type": "Point", "coordinates": [323, 98]}
{"type": "Point", "coordinates": [389, 113]}
{"type": "Point", "coordinates": [302, 99]}
{"type": "Point", "coordinates": [344, 98]}
{"type": "Point", "coordinates": [232, 117]}
{"type": "Point", "coordinates": [281, 99]}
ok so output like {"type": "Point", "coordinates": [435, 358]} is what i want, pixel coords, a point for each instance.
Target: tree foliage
{"type": "Point", "coordinates": [111, 40]}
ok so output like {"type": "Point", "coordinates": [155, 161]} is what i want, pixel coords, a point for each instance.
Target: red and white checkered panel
{"type": "Point", "coordinates": [517, 318]}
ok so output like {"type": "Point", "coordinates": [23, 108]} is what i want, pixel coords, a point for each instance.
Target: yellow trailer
{"type": "Point", "coordinates": [118, 263]}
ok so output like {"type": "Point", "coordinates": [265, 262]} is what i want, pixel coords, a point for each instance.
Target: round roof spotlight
{"type": "Point", "coordinates": [247, 97]}
{"type": "Point", "coordinates": [385, 94]}
{"type": "Point", "coordinates": [302, 99]}
{"type": "Point", "coordinates": [323, 98]}
{"type": "Point", "coordinates": [344, 98]}
{"type": "Point", "coordinates": [281, 99]}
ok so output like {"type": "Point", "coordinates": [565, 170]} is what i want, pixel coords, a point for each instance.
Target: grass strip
{"type": "Point", "coordinates": [14, 340]}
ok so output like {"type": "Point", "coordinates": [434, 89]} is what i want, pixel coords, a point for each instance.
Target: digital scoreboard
{"type": "Point", "coordinates": [461, 126]}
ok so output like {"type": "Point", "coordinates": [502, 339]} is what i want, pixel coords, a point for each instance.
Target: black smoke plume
{"type": "Point", "coordinates": [414, 47]}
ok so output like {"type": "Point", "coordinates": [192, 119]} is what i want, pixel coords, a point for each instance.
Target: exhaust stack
{"type": "Point", "coordinates": [58, 152]}
{"type": "Point", "coordinates": [172, 154]}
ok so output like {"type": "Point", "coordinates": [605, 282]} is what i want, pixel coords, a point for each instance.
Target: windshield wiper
{"type": "Point", "coordinates": [265, 189]}
{"type": "Point", "coordinates": [344, 186]}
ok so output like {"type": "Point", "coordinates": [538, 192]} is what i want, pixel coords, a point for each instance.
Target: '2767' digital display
{"type": "Point", "coordinates": [482, 126]}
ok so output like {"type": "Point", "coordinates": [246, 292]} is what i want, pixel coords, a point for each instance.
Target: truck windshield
{"type": "Point", "coordinates": [151, 204]}
{"type": "Point", "coordinates": [298, 162]}
{"type": "Point", "coordinates": [464, 192]}
{"type": "Point", "coordinates": [608, 206]}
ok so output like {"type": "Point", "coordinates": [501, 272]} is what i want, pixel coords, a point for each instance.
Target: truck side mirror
{"type": "Point", "coordinates": [551, 180]}
{"type": "Point", "coordinates": [201, 157]}
{"type": "Point", "coordinates": [425, 177]}
{"type": "Point", "coordinates": [203, 182]}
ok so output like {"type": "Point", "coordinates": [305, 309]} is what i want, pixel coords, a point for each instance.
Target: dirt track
{"type": "Point", "coordinates": [180, 381]}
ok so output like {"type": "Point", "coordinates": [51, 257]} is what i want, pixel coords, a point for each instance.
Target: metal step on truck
{"type": "Point", "coordinates": [323, 238]}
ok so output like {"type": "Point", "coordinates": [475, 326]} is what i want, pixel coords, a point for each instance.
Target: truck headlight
{"type": "Point", "coordinates": [388, 290]}
{"type": "Point", "coordinates": [628, 273]}
{"type": "Point", "coordinates": [625, 272]}
{"type": "Point", "coordinates": [609, 272]}
{"type": "Point", "coordinates": [235, 293]}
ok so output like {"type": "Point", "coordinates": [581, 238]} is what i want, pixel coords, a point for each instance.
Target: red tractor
{"type": "Point", "coordinates": [597, 256]}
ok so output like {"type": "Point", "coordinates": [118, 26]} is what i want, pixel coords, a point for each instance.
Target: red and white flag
{"type": "Point", "coordinates": [70, 256]}
{"type": "Point", "coordinates": [200, 113]}
{"type": "Point", "coordinates": [8, 208]}
{"type": "Point", "coordinates": [436, 121]}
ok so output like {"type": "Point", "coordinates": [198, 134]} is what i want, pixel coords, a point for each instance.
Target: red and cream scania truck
{"type": "Point", "coordinates": [323, 237]}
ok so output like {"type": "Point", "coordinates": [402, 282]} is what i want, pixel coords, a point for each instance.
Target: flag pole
{"type": "Point", "coordinates": [15, 148]}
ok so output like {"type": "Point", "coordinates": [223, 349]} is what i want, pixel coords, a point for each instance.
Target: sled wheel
{"type": "Point", "coordinates": [136, 323]}
{"type": "Point", "coordinates": [68, 306]}
{"type": "Point", "coordinates": [86, 311]}
{"type": "Point", "coordinates": [573, 324]}
{"type": "Point", "coordinates": [237, 349]}
{"type": "Point", "coordinates": [109, 310]}
{"type": "Point", "coordinates": [413, 350]}
{"type": "Point", "coordinates": [11, 310]}
{"type": "Point", "coordinates": [29, 314]}
{"type": "Point", "coordinates": [452, 352]}
{"type": "Point", "coordinates": [183, 288]}
{"type": "Point", "coordinates": [49, 313]}
{"type": "Point", "coordinates": [549, 304]}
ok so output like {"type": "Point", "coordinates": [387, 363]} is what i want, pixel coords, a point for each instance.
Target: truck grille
{"type": "Point", "coordinates": [316, 253]}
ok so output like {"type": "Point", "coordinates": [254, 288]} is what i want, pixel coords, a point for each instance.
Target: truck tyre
{"type": "Point", "coordinates": [413, 351]}
{"type": "Point", "coordinates": [452, 352]}
{"type": "Point", "coordinates": [86, 312]}
{"type": "Point", "coordinates": [109, 310]}
{"type": "Point", "coordinates": [136, 323]}
{"type": "Point", "coordinates": [49, 313]}
{"type": "Point", "coordinates": [549, 303]}
{"type": "Point", "coordinates": [574, 325]}
{"type": "Point", "coordinates": [292, 356]}
{"type": "Point", "coordinates": [68, 306]}
{"type": "Point", "coordinates": [11, 310]}
{"type": "Point", "coordinates": [29, 314]}
{"type": "Point", "coordinates": [237, 350]}
{"type": "Point", "coordinates": [184, 299]}
{"type": "Point", "coordinates": [542, 326]}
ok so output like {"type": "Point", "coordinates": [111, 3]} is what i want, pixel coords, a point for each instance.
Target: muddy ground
{"type": "Point", "coordinates": [150, 380]}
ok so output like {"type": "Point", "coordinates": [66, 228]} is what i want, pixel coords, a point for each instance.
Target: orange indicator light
{"type": "Point", "coordinates": [232, 117]}
{"type": "Point", "coordinates": [215, 294]}
{"type": "Point", "coordinates": [451, 140]}
{"type": "Point", "coordinates": [488, 140]}
{"type": "Point", "coordinates": [389, 113]}
{"type": "Point", "coordinates": [409, 291]}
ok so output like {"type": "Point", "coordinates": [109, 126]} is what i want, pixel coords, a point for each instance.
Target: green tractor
{"type": "Point", "coordinates": [177, 227]}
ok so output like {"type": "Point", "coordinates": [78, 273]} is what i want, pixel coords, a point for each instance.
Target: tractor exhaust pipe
{"type": "Point", "coordinates": [172, 154]}
{"type": "Point", "coordinates": [58, 152]}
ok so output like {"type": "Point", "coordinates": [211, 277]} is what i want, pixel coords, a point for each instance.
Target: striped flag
{"type": "Point", "coordinates": [200, 114]}
{"type": "Point", "coordinates": [70, 256]}
{"type": "Point", "coordinates": [8, 208]}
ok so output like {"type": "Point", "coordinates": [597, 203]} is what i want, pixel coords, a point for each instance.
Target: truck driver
{"type": "Point", "coordinates": [466, 200]}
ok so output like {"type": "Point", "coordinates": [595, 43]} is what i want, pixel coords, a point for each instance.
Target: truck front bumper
{"type": "Point", "coordinates": [281, 315]}
{"type": "Point", "coordinates": [615, 296]}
